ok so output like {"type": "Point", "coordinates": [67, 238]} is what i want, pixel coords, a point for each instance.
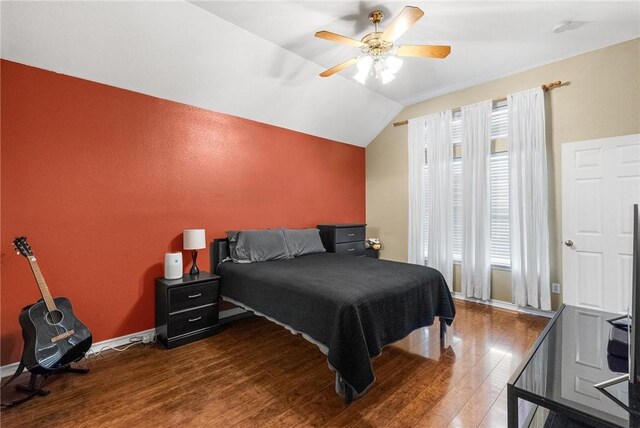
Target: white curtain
{"type": "Point", "coordinates": [476, 200]}
{"type": "Point", "coordinates": [528, 199]}
{"type": "Point", "coordinates": [416, 191]}
{"type": "Point", "coordinates": [440, 157]}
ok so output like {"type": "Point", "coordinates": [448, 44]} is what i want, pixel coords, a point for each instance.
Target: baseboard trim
{"type": "Point", "coordinates": [505, 305]}
{"type": "Point", "coordinates": [9, 369]}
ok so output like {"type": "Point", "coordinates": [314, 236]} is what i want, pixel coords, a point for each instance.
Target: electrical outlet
{"type": "Point", "coordinates": [555, 288]}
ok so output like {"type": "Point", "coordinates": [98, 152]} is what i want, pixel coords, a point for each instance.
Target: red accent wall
{"type": "Point", "coordinates": [103, 181]}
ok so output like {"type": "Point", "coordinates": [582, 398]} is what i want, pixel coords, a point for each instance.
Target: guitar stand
{"type": "Point", "coordinates": [35, 387]}
{"type": "Point", "coordinates": [32, 387]}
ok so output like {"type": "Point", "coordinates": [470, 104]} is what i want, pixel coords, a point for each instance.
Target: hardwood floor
{"type": "Point", "coordinates": [256, 373]}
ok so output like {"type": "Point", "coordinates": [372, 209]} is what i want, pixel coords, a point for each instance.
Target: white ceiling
{"type": "Point", "coordinates": [260, 61]}
{"type": "Point", "coordinates": [489, 39]}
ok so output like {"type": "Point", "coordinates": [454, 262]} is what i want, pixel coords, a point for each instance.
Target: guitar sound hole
{"type": "Point", "coordinates": [54, 317]}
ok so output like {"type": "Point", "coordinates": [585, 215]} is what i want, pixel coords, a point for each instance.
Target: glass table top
{"type": "Point", "coordinates": [572, 358]}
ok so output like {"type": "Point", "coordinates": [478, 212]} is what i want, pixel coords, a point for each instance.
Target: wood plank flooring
{"type": "Point", "coordinates": [255, 373]}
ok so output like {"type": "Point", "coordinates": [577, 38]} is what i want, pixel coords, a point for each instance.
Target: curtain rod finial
{"type": "Point", "coordinates": [551, 85]}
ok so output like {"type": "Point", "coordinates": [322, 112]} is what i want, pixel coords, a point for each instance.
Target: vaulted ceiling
{"type": "Point", "coordinates": [259, 59]}
{"type": "Point", "coordinates": [489, 39]}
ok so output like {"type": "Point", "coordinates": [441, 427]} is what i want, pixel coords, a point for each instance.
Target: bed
{"type": "Point", "coordinates": [350, 307]}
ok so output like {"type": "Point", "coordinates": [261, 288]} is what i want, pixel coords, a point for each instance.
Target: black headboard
{"type": "Point", "coordinates": [218, 251]}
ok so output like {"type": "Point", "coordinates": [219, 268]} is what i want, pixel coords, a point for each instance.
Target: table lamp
{"type": "Point", "coordinates": [194, 240]}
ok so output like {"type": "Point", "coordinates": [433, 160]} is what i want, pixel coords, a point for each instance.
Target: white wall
{"type": "Point", "coordinates": [601, 99]}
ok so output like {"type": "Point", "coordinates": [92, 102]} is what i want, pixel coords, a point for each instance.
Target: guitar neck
{"type": "Point", "coordinates": [42, 285]}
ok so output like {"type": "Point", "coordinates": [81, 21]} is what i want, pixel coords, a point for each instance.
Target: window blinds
{"type": "Point", "coordinates": [500, 250]}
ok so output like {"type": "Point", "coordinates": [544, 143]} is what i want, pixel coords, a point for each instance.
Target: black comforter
{"type": "Point", "coordinates": [353, 305]}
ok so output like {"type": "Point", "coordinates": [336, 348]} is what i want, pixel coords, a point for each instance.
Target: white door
{"type": "Point", "coordinates": [600, 184]}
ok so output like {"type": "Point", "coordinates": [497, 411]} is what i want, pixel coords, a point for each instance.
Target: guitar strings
{"type": "Point", "coordinates": [52, 301]}
{"type": "Point", "coordinates": [33, 260]}
{"type": "Point", "coordinates": [26, 251]}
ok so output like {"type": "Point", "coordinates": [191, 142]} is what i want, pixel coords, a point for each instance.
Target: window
{"type": "Point", "coordinates": [499, 188]}
{"type": "Point", "coordinates": [456, 209]}
{"type": "Point", "coordinates": [500, 250]}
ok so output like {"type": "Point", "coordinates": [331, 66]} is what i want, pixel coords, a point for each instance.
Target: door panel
{"type": "Point", "coordinates": [590, 276]}
{"type": "Point", "coordinates": [589, 201]}
{"type": "Point", "coordinates": [600, 183]}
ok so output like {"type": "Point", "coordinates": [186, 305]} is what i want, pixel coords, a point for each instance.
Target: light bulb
{"type": "Point", "coordinates": [394, 63]}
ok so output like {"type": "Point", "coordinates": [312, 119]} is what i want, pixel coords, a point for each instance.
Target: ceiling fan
{"type": "Point", "coordinates": [379, 55]}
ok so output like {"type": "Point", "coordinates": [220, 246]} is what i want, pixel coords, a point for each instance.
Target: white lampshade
{"type": "Point", "coordinates": [387, 76]}
{"type": "Point", "coordinates": [364, 64]}
{"type": "Point", "coordinates": [394, 63]}
{"type": "Point", "coordinates": [193, 239]}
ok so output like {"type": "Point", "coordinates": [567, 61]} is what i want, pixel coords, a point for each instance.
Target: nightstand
{"type": "Point", "coordinates": [370, 252]}
{"type": "Point", "coordinates": [186, 308]}
{"type": "Point", "coordinates": [343, 238]}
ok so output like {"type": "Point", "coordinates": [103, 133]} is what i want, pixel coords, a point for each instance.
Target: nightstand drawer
{"type": "Point", "coordinates": [353, 248]}
{"type": "Point", "coordinates": [195, 319]}
{"type": "Point", "coordinates": [191, 296]}
{"type": "Point", "coordinates": [349, 234]}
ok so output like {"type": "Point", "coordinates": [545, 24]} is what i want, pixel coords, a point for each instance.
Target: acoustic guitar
{"type": "Point", "coordinates": [53, 336]}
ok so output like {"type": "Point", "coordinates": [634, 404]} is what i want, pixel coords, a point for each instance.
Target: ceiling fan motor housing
{"type": "Point", "coordinates": [375, 45]}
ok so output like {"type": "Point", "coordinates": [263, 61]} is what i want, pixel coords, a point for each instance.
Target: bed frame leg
{"type": "Point", "coordinates": [446, 334]}
{"type": "Point", "coordinates": [348, 394]}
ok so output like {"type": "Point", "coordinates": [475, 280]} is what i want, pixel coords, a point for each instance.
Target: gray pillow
{"type": "Point", "coordinates": [232, 237]}
{"type": "Point", "coordinates": [259, 246]}
{"type": "Point", "coordinates": [303, 241]}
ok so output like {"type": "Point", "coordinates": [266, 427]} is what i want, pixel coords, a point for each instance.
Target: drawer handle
{"type": "Point", "coordinates": [351, 234]}
{"type": "Point", "coordinates": [351, 249]}
{"type": "Point", "coordinates": [193, 296]}
{"type": "Point", "coordinates": [195, 319]}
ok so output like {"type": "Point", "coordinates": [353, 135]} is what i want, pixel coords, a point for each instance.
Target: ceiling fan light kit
{"type": "Point", "coordinates": [383, 68]}
{"type": "Point", "coordinates": [380, 57]}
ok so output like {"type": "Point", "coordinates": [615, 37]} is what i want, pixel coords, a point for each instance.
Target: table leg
{"type": "Point", "coordinates": [512, 408]}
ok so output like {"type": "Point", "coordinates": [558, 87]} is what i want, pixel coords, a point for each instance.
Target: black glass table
{"type": "Point", "coordinates": [554, 385]}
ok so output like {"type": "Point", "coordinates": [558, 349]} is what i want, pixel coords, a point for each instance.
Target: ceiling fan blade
{"type": "Point", "coordinates": [431, 51]}
{"type": "Point", "coordinates": [339, 67]}
{"type": "Point", "coordinates": [333, 37]}
{"type": "Point", "coordinates": [407, 17]}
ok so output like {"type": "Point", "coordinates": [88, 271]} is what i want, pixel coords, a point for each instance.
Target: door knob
{"type": "Point", "coordinates": [568, 243]}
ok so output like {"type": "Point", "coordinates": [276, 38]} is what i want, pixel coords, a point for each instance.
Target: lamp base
{"type": "Point", "coordinates": [194, 268]}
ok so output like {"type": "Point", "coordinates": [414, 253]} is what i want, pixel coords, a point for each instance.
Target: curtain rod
{"type": "Point", "coordinates": [545, 88]}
